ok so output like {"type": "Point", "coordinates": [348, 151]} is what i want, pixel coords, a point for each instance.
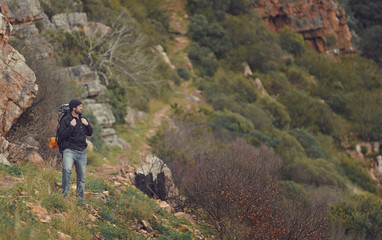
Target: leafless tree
{"type": "Point", "coordinates": [120, 53]}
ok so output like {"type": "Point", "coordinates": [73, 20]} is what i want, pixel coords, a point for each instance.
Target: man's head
{"type": "Point", "coordinates": [75, 105]}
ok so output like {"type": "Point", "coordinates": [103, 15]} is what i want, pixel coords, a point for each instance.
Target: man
{"type": "Point", "coordinates": [72, 137]}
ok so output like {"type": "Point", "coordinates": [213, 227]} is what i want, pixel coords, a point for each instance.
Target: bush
{"type": "Point", "coordinates": [253, 43]}
{"type": "Point", "coordinates": [315, 172]}
{"type": "Point", "coordinates": [312, 114]}
{"type": "Point", "coordinates": [209, 35]}
{"type": "Point", "coordinates": [356, 173]}
{"type": "Point", "coordinates": [233, 122]}
{"type": "Point", "coordinates": [299, 79]}
{"type": "Point", "coordinates": [280, 116]}
{"type": "Point", "coordinates": [235, 188]}
{"type": "Point", "coordinates": [202, 58]}
{"type": "Point", "coordinates": [183, 73]}
{"type": "Point", "coordinates": [291, 41]}
{"type": "Point", "coordinates": [360, 219]}
{"type": "Point", "coordinates": [309, 143]}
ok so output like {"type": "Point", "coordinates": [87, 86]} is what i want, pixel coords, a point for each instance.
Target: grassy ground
{"type": "Point", "coordinates": [35, 209]}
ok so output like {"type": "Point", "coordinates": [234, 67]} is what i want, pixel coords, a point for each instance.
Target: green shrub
{"type": "Point", "coordinates": [291, 41]}
{"type": "Point", "coordinates": [233, 85]}
{"type": "Point", "coordinates": [202, 58]}
{"type": "Point", "coordinates": [359, 219]}
{"type": "Point", "coordinates": [94, 159]}
{"type": "Point", "coordinates": [356, 173]}
{"type": "Point", "coordinates": [309, 143]}
{"type": "Point", "coordinates": [279, 113]}
{"type": "Point", "coordinates": [253, 43]}
{"type": "Point", "coordinates": [96, 184]}
{"type": "Point", "coordinates": [209, 35]}
{"type": "Point", "coordinates": [312, 114]}
{"type": "Point", "coordinates": [183, 73]}
{"type": "Point", "coordinates": [315, 172]}
{"type": "Point", "coordinates": [299, 79]}
{"type": "Point", "coordinates": [233, 122]}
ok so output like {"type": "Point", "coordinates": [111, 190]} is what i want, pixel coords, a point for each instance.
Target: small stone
{"type": "Point", "coordinates": [92, 218]}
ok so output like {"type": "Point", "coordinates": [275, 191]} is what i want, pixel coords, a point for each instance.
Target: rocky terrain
{"type": "Point", "coordinates": [317, 21]}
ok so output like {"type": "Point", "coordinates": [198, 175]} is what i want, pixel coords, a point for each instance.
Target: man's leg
{"type": "Point", "coordinates": [67, 164]}
{"type": "Point", "coordinates": [80, 170]}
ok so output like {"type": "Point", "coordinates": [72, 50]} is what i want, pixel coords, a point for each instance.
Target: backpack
{"type": "Point", "coordinates": [62, 112]}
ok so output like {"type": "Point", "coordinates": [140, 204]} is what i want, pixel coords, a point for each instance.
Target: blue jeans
{"type": "Point", "coordinates": [78, 158]}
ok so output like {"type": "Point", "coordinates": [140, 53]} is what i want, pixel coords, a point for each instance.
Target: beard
{"type": "Point", "coordinates": [78, 111]}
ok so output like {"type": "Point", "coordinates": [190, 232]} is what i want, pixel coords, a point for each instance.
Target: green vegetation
{"type": "Point", "coordinates": [21, 216]}
{"type": "Point", "coordinates": [277, 150]}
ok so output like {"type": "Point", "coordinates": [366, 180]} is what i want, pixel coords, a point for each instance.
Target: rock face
{"type": "Point", "coordinates": [21, 11]}
{"type": "Point", "coordinates": [17, 86]}
{"type": "Point", "coordinates": [155, 179]}
{"type": "Point", "coordinates": [70, 21]}
{"type": "Point", "coordinates": [321, 22]}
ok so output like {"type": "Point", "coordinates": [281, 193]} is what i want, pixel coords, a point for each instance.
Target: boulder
{"type": "Point", "coordinates": [165, 58]}
{"type": "Point", "coordinates": [47, 24]}
{"type": "Point", "coordinates": [102, 111]}
{"type": "Point", "coordinates": [4, 160]}
{"type": "Point", "coordinates": [70, 21]}
{"type": "Point", "coordinates": [29, 35]}
{"type": "Point", "coordinates": [35, 158]}
{"type": "Point", "coordinates": [81, 72]}
{"type": "Point", "coordinates": [110, 138]}
{"type": "Point", "coordinates": [21, 10]}
{"type": "Point", "coordinates": [17, 85]}
{"type": "Point", "coordinates": [154, 178]}
{"type": "Point", "coordinates": [93, 28]}
{"type": "Point", "coordinates": [93, 89]}
{"type": "Point", "coordinates": [259, 85]}
{"type": "Point", "coordinates": [247, 69]}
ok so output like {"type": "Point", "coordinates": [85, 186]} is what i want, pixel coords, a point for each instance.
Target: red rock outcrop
{"type": "Point", "coordinates": [17, 84]}
{"type": "Point", "coordinates": [319, 21]}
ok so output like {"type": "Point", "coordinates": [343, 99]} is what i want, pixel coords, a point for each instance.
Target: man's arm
{"type": "Point", "coordinates": [88, 127]}
{"type": "Point", "coordinates": [65, 129]}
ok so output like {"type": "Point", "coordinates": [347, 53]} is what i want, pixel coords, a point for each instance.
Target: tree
{"type": "Point", "coordinates": [237, 190]}
{"type": "Point", "coordinates": [371, 43]}
{"type": "Point", "coordinates": [121, 54]}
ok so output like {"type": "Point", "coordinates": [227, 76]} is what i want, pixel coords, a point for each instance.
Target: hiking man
{"type": "Point", "coordinates": [72, 139]}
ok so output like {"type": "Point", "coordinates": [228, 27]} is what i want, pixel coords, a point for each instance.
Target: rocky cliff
{"type": "Point", "coordinates": [321, 22]}
{"type": "Point", "coordinates": [18, 85]}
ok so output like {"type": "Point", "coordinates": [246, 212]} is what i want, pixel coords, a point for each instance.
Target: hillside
{"type": "Point", "coordinates": [212, 119]}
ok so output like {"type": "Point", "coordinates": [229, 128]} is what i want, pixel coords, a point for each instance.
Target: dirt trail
{"type": "Point", "coordinates": [178, 22]}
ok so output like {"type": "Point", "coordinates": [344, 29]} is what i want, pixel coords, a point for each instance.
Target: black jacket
{"type": "Point", "coordinates": [73, 137]}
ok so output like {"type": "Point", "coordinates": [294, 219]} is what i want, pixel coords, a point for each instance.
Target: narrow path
{"type": "Point", "coordinates": [155, 124]}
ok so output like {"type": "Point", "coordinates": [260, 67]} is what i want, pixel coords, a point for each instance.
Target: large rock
{"type": "Point", "coordinates": [165, 58]}
{"type": "Point", "coordinates": [110, 138]}
{"type": "Point", "coordinates": [92, 28]}
{"type": "Point", "coordinates": [17, 86]}
{"type": "Point", "coordinates": [70, 21]}
{"type": "Point", "coordinates": [30, 36]}
{"type": "Point", "coordinates": [5, 27]}
{"type": "Point", "coordinates": [21, 10]}
{"type": "Point", "coordinates": [155, 179]}
{"type": "Point", "coordinates": [316, 20]}
{"type": "Point", "coordinates": [89, 81]}
{"type": "Point", "coordinates": [102, 111]}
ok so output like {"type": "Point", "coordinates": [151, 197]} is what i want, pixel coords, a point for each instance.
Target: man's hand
{"type": "Point", "coordinates": [84, 122]}
{"type": "Point", "coordinates": [73, 122]}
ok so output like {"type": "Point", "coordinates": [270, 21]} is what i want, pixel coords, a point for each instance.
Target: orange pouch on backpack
{"type": "Point", "coordinates": [53, 143]}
